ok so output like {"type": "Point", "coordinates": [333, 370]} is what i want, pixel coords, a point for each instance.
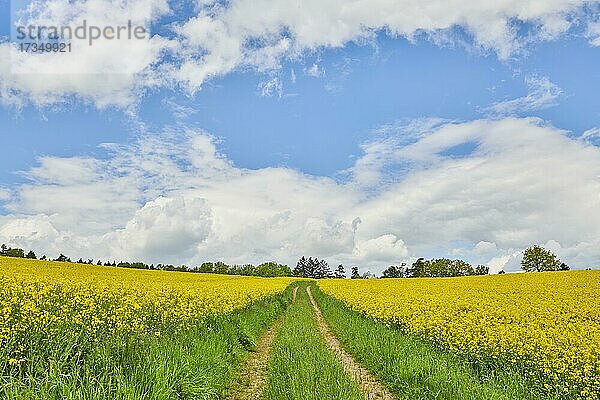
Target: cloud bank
{"type": "Point", "coordinates": [172, 197]}
{"type": "Point", "coordinates": [220, 37]}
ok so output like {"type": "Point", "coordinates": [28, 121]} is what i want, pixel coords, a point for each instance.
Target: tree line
{"type": "Point", "coordinates": [319, 269]}
{"type": "Point", "coordinates": [535, 259]}
{"type": "Point", "coordinates": [267, 269]}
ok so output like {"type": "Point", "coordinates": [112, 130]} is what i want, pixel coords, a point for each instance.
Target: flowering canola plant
{"type": "Point", "coordinates": [42, 298]}
{"type": "Point", "coordinates": [545, 324]}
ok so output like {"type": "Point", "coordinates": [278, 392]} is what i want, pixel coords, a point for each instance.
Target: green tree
{"type": "Point", "coordinates": [17, 253]}
{"type": "Point", "coordinates": [439, 267]}
{"type": "Point", "coordinates": [221, 267]}
{"type": "Point", "coordinates": [355, 274]}
{"type": "Point", "coordinates": [206, 267]}
{"type": "Point", "coordinates": [538, 259]}
{"type": "Point", "coordinates": [312, 268]}
{"type": "Point", "coordinates": [301, 268]}
{"type": "Point", "coordinates": [564, 267]}
{"type": "Point", "coordinates": [61, 258]}
{"type": "Point", "coordinates": [322, 270]}
{"type": "Point", "coordinates": [31, 255]}
{"type": "Point", "coordinates": [482, 270]}
{"type": "Point", "coordinates": [340, 272]}
{"type": "Point", "coordinates": [417, 269]}
{"type": "Point", "coordinates": [393, 272]}
{"type": "Point", "coordinates": [272, 269]}
{"type": "Point", "coordinates": [248, 270]}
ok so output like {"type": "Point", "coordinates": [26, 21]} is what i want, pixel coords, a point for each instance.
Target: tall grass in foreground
{"type": "Point", "coordinates": [198, 362]}
{"type": "Point", "coordinates": [301, 366]}
{"type": "Point", "coordinates": [413, 369]}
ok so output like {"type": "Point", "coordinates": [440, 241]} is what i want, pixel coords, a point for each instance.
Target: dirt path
{"type": "Point", "coordinates": [253, 378]}
{"type": "Point", "coordinates": [370, 386]}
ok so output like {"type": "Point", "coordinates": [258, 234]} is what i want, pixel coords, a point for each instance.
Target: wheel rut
{"type": "Point", "coordinates": [371, 387]}
{"type": "Point", "coordinates": [252, 380]}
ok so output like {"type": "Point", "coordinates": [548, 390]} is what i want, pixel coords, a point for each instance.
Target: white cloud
{"type": "Point", "coordinates": [4, 194]}
{"type": "Point", "coordinates": [174, 198]}
{"type": "Point", "coordinates": [385, 248]}
{"type": "Point", "coordinates": [593, 33]}
{"type": "Point", "coordinates": [272, 87]}
{"type": "Point", "coordinates": [179, 111]}
{"type": "Point", "coordinates": [256, 34]}
{"type": "Point", "coordinates": [485, 248]}
{"type": "Point", "coordinates": [164, 227]}
{"type": "Point", "coordinates": [506, 263]}
{"type": "Point", "coordinates": [109, 72]}
{"type": "Point", "coordinates": [542, 94]}
{"type": "Point", "coordinates": [315, 71]}
{"type": "Point", "coordinates": [591, 136]}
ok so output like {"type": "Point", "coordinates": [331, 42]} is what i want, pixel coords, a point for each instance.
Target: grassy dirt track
{"type": "Point", "coordinates": [370, 386]}
{"type": "Point", "coordinates": [302, 367]}
{"type": "Point", "coordinates": [325, 351]}
{"type": "Point", "coordinates": [251, 382]}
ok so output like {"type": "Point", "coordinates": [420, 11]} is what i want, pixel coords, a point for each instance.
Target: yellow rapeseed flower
{"type": "Point", "coordinates": [42, 297]}
{"type": "Point", "coordinates": [548, 323]}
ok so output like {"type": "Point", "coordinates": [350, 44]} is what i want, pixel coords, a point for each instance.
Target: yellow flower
{"type": "Point", "coordinates": [45, 297]}
{"type": "Point", "coordinates": [548, 322]}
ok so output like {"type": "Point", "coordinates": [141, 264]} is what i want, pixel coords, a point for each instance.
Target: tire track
{"type": "Point", "coordinates": [371, 387]}
{"type": "Point", "coordinates": [252, 380]}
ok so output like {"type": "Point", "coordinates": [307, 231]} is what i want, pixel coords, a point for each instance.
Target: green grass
{"type": "Point", "coordinates": [301, 365]}
{"type": "Point", "coordinates": [199, 363]}
{"type": "Point", "coordinates": [414, 369]}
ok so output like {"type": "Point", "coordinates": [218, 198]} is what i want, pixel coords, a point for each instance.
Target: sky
{"type": "Point", "coordinates": [365, 133]}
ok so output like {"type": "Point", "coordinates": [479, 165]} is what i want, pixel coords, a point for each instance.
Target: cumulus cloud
{"type": "Point", "coordinates": [164, 227]}
{"type": "Point", "coordinates": [109, 72]}
{"type": "Point", "coordinates": [385, 248]}
{"type": "Point", "coordinates": [172, 197]}
{"type": "Point", "coordinates": [222, 37]}
{"type": "Point", "coordinates": [484, 248]}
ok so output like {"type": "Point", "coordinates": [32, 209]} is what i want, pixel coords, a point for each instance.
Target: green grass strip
{"type": "Point", "coordinates": [200, 363]}
{"type": "Point", "coordinates": [301, 365]}
{"type": "Point", "coordinates": [412, 368]}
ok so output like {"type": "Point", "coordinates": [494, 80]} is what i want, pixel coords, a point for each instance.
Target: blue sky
{"type": "Point", "coordinates": [321, 108]}
{"type": "Point", "coordinates": [318, 123]}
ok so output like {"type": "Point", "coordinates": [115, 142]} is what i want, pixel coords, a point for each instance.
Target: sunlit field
{"type": "Point", "coordinates": [61, 323]}
{"type": "Point", "coordinates": [545, 325]}
{"type": "Point", "coordinates": [46, 296]}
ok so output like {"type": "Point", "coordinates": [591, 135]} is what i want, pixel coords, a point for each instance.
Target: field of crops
{"type": "Point", "coordinates": [71, 320]}
{"type": "Point", "coordinates": [85, 331]}
{"type": "Point", "coordinates": [39, 295]}
{"type": "Point", "coordinates": [546, 324]}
